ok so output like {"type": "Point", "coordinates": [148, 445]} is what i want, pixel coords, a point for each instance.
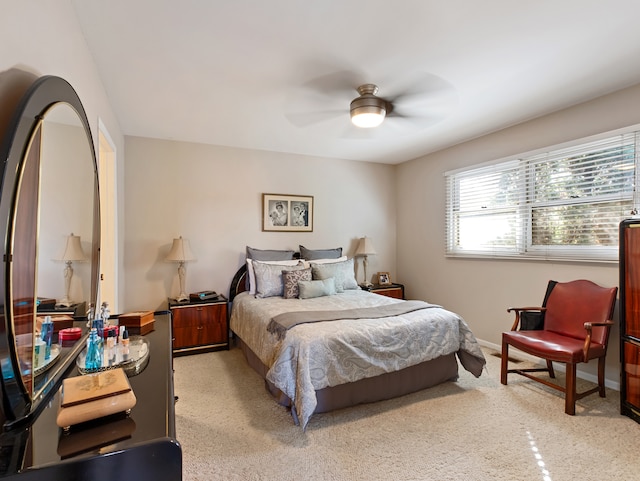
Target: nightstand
{"type": "Point", "coordinates": [199, 326]}
{"type": "Point", "coordinates": [389, 290]}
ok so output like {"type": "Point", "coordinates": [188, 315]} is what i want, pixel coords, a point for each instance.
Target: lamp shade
{"type": "Point", "coordinates": [365, 247]}
{"type": "Point", "coordinates": [73, 251]}
{"type": "Point", "coordinates": [180, 251]}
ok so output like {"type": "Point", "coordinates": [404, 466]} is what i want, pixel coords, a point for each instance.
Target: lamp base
{"type": "Point", "coordinates": [64, 302]}
{"type": "Point", "coordinates": [182, 297]}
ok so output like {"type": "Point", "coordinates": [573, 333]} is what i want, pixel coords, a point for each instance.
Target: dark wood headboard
{"type": "Point", "coordinates": [238, 284]}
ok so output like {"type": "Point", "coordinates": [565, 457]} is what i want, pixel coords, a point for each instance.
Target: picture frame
{"type": "Point", "coordinates": [287, 213]}
{"type": "Point", "coordinates": [384, 279]}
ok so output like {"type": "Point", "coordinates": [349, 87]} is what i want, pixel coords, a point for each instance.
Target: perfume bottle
{"type": "Point", "coordinates": [105, 313]}
{"type": "Point", "coordinates": [93, 360]}
{"type": "Point", "coordinates": [124, 343]}
{"type": "Point", "coordinates": [47, 334]}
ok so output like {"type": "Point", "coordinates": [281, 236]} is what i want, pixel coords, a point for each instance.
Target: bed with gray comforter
{"type": "Point", "coordinates": [309, 346]}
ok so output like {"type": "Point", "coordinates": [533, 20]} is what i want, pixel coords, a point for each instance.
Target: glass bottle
{"type": "Point", "coordinates": [93, 360]}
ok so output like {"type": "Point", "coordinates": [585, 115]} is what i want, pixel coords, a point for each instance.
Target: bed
{"type": "Point", "coordinates": [325, 352]}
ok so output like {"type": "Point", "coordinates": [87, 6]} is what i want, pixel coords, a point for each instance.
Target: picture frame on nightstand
{"type": "Point", "coordinates": [384, 279]}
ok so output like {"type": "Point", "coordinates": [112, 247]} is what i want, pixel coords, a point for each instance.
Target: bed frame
{"type": "Point", "coordinates": [378, 388]}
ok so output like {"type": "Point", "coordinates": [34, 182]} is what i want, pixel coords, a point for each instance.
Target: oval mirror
{"type": "Point", "coordinates": [50, 212]}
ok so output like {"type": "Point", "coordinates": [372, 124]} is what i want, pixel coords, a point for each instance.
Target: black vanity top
{"type": "Point", "coordinates": [140, 446]}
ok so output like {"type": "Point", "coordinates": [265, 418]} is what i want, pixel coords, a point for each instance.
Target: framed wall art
{"type": "Point", "coordinates": [287, 213]}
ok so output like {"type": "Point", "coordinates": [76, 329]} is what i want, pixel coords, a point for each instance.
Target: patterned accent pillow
{"type": "Point", "coordinates": [342, 272]}
{"type": "Point", "coordinates": [291, 279]}
{"type": "Point", "coordinates": [269, 278]}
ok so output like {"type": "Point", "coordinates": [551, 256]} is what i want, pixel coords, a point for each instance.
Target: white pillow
{"type": "Point", "coordinates": [343, 272]}
{"type": "Point", "coordinates": [252, 275]}
{"type": "Point", "coordinates": [327, 261]}
{"type": "Point", "coordinates": [269, 279]}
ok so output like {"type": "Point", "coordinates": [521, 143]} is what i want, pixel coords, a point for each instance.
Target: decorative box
{"type": "Point", "coordinates": [137, 322]}
{"type": "Point", "coordinates": [59, 322]}
{"type": "Point", "coordinates": [85, 398]}
{"type": "Point", "coordinates": [69, 336]}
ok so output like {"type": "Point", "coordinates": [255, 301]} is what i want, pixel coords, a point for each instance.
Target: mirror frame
{"type": "Point", "coordinates": [18, 406]}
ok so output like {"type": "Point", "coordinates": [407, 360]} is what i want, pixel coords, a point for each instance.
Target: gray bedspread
{"type": "Point", "coordinates": [316, 355]}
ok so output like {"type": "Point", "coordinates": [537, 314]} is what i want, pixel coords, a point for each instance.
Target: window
{"type": "Point", "coordinates": [562, 204]}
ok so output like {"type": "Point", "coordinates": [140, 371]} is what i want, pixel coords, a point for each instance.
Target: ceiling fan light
{"type": "Point", "coordinates": [368, 111]}
{"type": "Point", "coordinates": [367, 117]}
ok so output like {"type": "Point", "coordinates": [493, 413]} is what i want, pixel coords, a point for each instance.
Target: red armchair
{"type": "Point", "coordinates": [577, 322]}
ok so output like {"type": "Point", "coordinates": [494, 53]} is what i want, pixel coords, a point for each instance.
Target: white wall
{"type": "Point", "coordinates": [44, 38]}
{"type": "Point", "coordinates": [212, 196]}
{"type": "Point", "coordinates": [482, 290]}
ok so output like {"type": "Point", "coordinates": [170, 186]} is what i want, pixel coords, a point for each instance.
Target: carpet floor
{"type": "Point", "coordinates": [472, 429]}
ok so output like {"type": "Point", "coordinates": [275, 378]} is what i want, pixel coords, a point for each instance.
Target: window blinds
{"type": "Point", "coordinates": [562, 204]}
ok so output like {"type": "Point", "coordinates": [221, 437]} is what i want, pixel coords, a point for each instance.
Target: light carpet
{"type": "Point", "coordinates": [472, 429]}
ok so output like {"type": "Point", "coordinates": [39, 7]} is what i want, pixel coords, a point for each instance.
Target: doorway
{"type": "Point", "coordinates": [108, 291]}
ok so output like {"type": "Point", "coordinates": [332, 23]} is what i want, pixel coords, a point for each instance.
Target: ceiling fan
{"type": "Point", "coordinates": [368, 110]}
{"type": "Point", "coordinates": [407, 105]}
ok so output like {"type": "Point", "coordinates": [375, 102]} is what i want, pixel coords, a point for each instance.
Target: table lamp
{"type": "Point", "coordinates": [365, 248]}
{"type": "Point", "coordinates": [180, 252]}
{"type": "Point", "coordinates": [72, 252]}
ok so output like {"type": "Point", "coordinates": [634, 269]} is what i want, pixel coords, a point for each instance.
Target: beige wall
{"type": "Point", "coordinates": [481, 290]}
{"type": "Point", "coordinates": [212, 196]}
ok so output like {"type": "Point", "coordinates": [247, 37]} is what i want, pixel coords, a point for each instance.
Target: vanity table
{"type": "Point", "coordinates": [48, 140]}
{"type": "Point", "coordinates": [142, 446]}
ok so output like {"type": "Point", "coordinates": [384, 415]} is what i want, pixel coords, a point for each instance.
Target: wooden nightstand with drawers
{"type": "Point", "coordinates": [389, 290]}
{"type": "Point", "coordinates": [199, 326]}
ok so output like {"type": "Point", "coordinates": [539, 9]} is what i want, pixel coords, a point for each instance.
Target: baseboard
{"type": "Point", "coordinates": [611, 384]}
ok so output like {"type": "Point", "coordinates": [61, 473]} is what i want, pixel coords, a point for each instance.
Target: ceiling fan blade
{"type": "Point", "coordinates": [322, 98]}
{"type": "Point", "coordinates": [342, 82]}
{"type": "Point", "coordinates": [305, 119]}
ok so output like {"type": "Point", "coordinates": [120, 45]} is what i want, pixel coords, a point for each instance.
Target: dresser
{"type": "Point", "coordinates": [139, 447]}
{"type": "Point", "coordinates": [630, 318]}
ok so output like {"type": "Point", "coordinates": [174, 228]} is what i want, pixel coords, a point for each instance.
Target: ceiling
{"type": "Point", "coordinates": [278, 75]}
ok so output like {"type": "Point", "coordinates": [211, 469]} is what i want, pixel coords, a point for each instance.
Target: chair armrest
{"type": "Point", "coordinates": [518, 310]}
{"type": "Point", "coordinates": [587, 342]}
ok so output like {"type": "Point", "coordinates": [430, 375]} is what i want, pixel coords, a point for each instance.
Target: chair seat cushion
{"type": "Point", "coordinates": [552, 346]}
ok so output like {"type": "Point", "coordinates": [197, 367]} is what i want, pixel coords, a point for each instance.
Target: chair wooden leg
{"type": "Point", "coordinates": [601, 364]}
{"type": "Point", "coordinates": [552, 373]}
{"type": "Point", "coordinates": [570, 391]}
{"type": "Point", "coordinates": [505, 362]}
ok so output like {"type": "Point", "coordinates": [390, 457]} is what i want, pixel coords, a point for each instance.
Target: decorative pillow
{"type": "Point", "coordinates": [317, 288]}
{"type": "Point", "coordinates": [312, 254]}
{"type": "Point", "coordinates": [343, 273]}
{"type": "Point", "coordinates": [269, 255]}
{"type": "Point", "coordinates": [251, 274]}
{"type": "Point", "coordinates": [327, 261]}
{"type": "Point", "coordinates": [291, 279]}
{"type": "Point", "coordinates": [269, 278]}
